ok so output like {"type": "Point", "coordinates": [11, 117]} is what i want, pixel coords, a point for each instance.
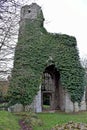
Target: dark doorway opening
{"type": "Point", "coordinates": [46, 101]}
{"type": "Point", "coordinates": [50, 88]}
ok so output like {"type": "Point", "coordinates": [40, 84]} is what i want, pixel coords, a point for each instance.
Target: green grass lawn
{"type": "Point", "coordinates": [8, 121]}
{"type": "Point", "coordinates": [40, 121]}
{"type": "Point", "coordinates": [51, 119]}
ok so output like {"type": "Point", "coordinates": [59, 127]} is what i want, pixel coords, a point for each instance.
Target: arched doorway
{"type": "Point", "coordinates": [50, 88]}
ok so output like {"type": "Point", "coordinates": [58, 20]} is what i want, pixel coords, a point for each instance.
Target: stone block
{"type": "Point", "coordinates": [16, 108]}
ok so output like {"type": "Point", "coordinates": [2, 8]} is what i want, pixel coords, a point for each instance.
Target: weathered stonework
{"type": "Point", "coordinates": [30, 12]}
{"type": "Point", "coordinates": [37, 102]}
{"type": "Point", "coordinates": [16, 108]}
{"type": "Point", "coordinates": [4, 87]}
{"type": "Point", "coordinates": [51, 93]}
{"type": "Point", "coordinates": [65, 103]}
{"type": "Point", "coordinates": [83, 103]}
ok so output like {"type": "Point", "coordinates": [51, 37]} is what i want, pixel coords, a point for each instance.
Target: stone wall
{"type": "Point", "coordinates": [37, 102]}
{"type": "Point", "coordinates": [30, 13]}
{"type": "Point", "coordinates": [65, 104]}
{"type": "Point", "coordinates": [74, 107]}
{"type": "Point", "coordinates": [4, 87]}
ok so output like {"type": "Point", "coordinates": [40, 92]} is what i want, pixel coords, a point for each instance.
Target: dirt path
{"type": "Point", "coordinates": [24, 126]}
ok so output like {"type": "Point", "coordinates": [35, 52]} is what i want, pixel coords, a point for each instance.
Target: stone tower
{"type": "Point", "coordinates": [44, 64]}
{"type": "Point", "coordinates": [31, 13]}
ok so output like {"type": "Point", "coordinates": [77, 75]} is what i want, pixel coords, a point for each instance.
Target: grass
{"type": "Point", "coordinates": [51, 119]}
{"type": "Point", "coordinates": [46, 106]}
{"type": "Point", "coordinates": [40, 121]}
{"type": "Point", "coordinates": [8, 121]}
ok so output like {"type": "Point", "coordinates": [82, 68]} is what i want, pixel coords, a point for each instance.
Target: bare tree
{"type": "Point", "coordinates": [84, 64]}
{"type": "Point", "coordinates": [8, 20]}
{"type": "Point", "coordinates": [9, 24]}
{"type": "Point", "coordinates": [9, 17]}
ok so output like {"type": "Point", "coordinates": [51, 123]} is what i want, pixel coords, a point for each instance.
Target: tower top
{"type": "Point", "coordinates": [30, 11]}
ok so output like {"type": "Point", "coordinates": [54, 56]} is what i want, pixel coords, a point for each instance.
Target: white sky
{"type": "Point", "coordinates": [67, 17]}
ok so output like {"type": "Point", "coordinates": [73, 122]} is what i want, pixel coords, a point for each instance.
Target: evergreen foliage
{"type": "Point", "coordinates": [34, 47]}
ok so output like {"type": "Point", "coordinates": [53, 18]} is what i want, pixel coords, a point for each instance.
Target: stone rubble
{"type": "Point", "coordinates": [71, 126]}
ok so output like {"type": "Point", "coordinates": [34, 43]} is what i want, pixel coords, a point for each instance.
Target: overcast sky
{"type": "Point", "coordinates": [67, 17]}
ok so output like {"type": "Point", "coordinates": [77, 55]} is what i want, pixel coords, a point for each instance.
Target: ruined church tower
{"type": "Point", "coordinates": [47, 69]}
{"type": "Point", "coordinates": [31, 13]}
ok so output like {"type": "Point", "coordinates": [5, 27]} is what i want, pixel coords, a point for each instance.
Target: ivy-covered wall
{"type": "Point", "coordinates": [33, 49]}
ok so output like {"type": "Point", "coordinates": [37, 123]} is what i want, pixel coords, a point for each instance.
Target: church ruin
{"type": "Point", "coordinates": [47, 62]}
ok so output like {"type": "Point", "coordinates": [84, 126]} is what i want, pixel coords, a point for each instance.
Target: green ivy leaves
{"type": "Point", "coordinates": [32, 52]}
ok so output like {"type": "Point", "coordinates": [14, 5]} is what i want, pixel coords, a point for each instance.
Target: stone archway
{"type": "Point", "coordinates": [50, 88]}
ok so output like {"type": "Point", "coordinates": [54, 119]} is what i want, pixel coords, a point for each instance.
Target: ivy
{"type": "Point", "coordinates": [34, 47]}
